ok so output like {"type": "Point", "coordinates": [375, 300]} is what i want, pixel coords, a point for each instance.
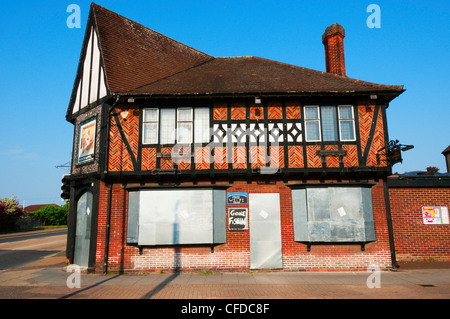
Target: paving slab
{"type": "Point", "coordinates": [47, 279]}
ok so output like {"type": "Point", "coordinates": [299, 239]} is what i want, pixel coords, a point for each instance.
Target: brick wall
{"type": "Point", "coordinates": [235, 254]}
{"type": "Point", "coordinates": [338, 256]}
{"type": "Point", "coordinates": [413, 239]}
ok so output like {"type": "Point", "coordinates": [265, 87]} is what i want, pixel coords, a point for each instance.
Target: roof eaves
{"type": "Point", "coordinates": [251, 94]}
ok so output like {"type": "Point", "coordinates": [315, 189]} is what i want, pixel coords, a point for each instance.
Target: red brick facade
{"type": "Point", "coordinates": [413, 239]}
{"type": "Point", "coordinates": [272, 126]}
{"type": "Point", "coordinates": [235, 254]}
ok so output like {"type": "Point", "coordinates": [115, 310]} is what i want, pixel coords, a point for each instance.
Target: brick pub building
{"type": "Point", "coordinates": [185, 161]}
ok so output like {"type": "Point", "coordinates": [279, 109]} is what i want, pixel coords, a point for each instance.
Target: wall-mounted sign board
{"type": "Point", "coordinates": [435, 215]}
{"type": "Point", "coordinates": [237, 219]}
{"type": "Point", "coordinates": [86, 142]}
{"type": "Point", "coordinates": [237, 198]}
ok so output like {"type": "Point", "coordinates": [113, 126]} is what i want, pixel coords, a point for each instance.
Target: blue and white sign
{"type": "Point", "coordinates": [237, 198]}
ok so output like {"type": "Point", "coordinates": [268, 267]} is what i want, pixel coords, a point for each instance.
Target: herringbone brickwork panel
{"type": "Point", "coordinates": [238, 113]}
{"type": "Point", "coordinates": [166, 162]}
{"type": "Point", "coordinates": [258, 156]}
{"type": "Point", "coordinates": [314, 160]}
{"type": "Point", "coordinates": [365, 114]}
{"type": "Point", "coordinates": [377, 143]}
{"type": "Point", "coordinates": [130, 127]}
{"type": "Point", "coordinates": [220, 113]}
{"type": "Point", "coordinates": [332, 161]}
{"type": "Point", "coordinates": [351, 159]}
{"type": "Point", "coordinates": [277, 156]}
{"type": "Point", "coordinates": [295, 156]}
{"type": "Point", "coordinates": [115, 148]}
{"type": "Point", "coordinates": [293, 112]}
{"type": "Point", "coordinates": [220, 158]}
{"type": "Point", "coordinates": [119, 157]}
{"type": "Point", "coordinates": [148, 159]}
{"type": "Point", "coordinates": [185, 161]}
{"type": "Point", "coordinates": [202, 158]}
{"type": "Point", "coordinates": [275, 113]}
{"type": "Point", "coordinates": [239, 157]}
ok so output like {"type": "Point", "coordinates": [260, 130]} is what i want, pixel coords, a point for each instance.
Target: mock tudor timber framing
{"type": "Point", "coordinates": [121, 162]}
{"type": "Point", "coordinates": [248, 170]}
{"type": "Point", "coordinates": [90, 37]}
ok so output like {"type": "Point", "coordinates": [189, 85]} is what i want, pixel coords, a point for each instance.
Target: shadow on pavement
{"type": "Point", "coordinates": [87, 288]}
{"type": "Point", "coordinates": [161, 286]}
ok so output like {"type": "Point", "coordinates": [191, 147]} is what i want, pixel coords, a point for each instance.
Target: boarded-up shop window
{"type": "Point", "coordinates": [172, 217]}
{"type": "Point", "coordinates": [333, 214]}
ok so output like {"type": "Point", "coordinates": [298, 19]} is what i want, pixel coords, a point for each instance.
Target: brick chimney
{"type": "Point", "coordinates": [446, 153]}
{"type": "Point", "coordinates": [333, 40]}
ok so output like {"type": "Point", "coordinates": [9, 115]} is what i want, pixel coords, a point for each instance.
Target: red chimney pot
{"type": "Point", "coordinates": [333, 40]}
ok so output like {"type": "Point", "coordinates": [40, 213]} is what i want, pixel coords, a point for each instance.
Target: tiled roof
{"type": "Point", "coordinates": [138, 60]}
{"type": "Point", "coordinates": [240, 75]}
{"type": "Point", "coordinates": [134, 55]}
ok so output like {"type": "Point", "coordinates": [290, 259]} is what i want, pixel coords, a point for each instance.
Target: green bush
{"type": "Point", "coordinates": [52, 215]}
{"type": "Point", "coordinates": [10, 212]}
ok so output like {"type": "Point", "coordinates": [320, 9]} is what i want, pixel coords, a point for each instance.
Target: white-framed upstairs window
{"type": "Point", "coordinates": [312, 123]}
{"type": "Point", "coordinates": [184, 125]}
{"type": "Point", "coordinates": [329, 123]}
{"type": "Point", "coordinates": [202, 132]}
{"type": "Point", "coordinates": [168, 125]}
{"type": "Point", "coordinates": [346, 123]}
{"type": "Point", "coordinates": [150, 126]}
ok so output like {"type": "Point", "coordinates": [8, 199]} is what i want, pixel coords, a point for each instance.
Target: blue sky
{"type": "Point", "coordinates": [39, 58]}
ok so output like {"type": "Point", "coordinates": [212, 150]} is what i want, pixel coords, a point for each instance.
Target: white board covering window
{"type": "Point", "coordinates": [172, 217]}
{"type": "Point", "coordinates": [333, 214]}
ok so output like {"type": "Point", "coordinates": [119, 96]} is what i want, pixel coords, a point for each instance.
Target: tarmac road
{"type": "Point", "coordinates": [19, 249]}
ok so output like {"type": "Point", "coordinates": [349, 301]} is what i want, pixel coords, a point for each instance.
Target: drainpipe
{"type": "Point", "coordinates": [108, 222]}
{"type": "Point", "coordinates": [389, 223]}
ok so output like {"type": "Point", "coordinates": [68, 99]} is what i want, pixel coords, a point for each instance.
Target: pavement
{"type": "Point", "coordinates": [47, 278]}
